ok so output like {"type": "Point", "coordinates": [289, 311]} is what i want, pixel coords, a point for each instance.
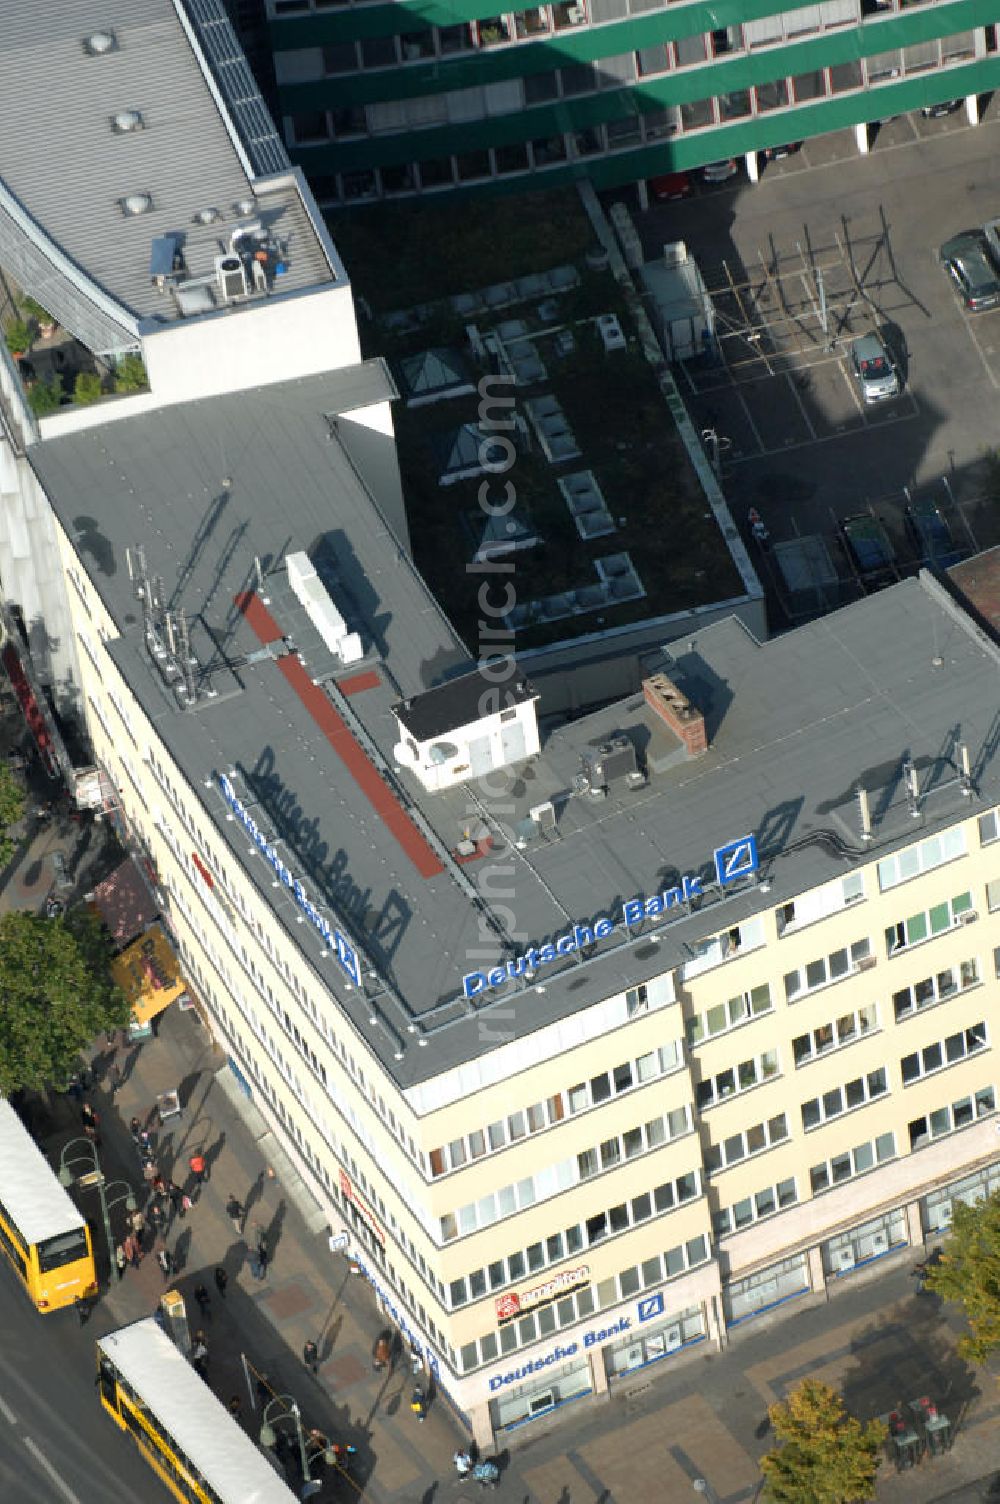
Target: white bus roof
{"type": "Point", "coordinates": [28, 1185]}
{"type": "Point", "coordinates": [189, 1412]}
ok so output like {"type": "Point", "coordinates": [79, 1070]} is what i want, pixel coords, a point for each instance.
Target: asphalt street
{"type": "Point", "coordinates": [57, 1446]}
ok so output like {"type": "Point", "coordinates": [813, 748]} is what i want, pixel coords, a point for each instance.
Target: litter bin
{"type": "Point", "coordinates": [174, 1320]}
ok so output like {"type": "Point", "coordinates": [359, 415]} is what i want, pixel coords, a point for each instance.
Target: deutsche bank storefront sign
{"type": "Point", "coordinates": [338, 943]}
{"type": "Point", "coordinates": [733, 861]}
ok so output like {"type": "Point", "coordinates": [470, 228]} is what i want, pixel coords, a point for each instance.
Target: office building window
{"type": "Point", "coordinates": [832, 1172]}
{"type": "Point", "coordinates": [944, 1052]}
{"type": "Point", "coordinates": [826, 969]}
{"type": "Point", "coordinates": [924, 857]}
{"type": "Point", "coordinates": [749, 1141]}
{"type": "Point", "coordinates": [841, 1099]}
{"type": "Point", "coordinates": [944, 1120]}
{"type": "Point", "coordinates": [735, 1079]}
{"type": "Point", "coordinates": [832, 1035]}
{"type": "Point", "coordinates": [935, 989]}
{"type": "Point", "coordinates": [765, 1203]}
{"type": "Point", "coordinates": [927, 924]}
{"type": "Point", "coordinates": [989, 827]}
{"type": "Point", "coordinates": [845, 76]}
{"type": "Point", "coordinates": [729, 1015]}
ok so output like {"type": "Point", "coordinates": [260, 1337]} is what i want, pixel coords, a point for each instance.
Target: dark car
{"type": "Point", "coordinates": [931, 536]}
{"type": "Point", "coordinates": [868, 546]}
{"type": "Point", "coordinates": [966, 259]}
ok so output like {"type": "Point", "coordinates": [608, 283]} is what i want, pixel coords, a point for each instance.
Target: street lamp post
{"type": "Point", "coordinates": [94, 1178]}
{"type": "Point", "coordinates": [268, 1436]}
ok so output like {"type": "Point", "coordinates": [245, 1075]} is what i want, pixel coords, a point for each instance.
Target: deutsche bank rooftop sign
{"type": "Point", "coordinates": [338, 943]}
{"type": "Point", "coordinates": [734, 860]}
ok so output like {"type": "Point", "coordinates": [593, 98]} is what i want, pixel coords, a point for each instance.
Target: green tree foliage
{"type": "Point", "coordinates": [11, 810]}
{"type": "Point", "coordinates": [969, 1273]}
{"type": "Point", "coordinates": [57, 994]}
{"type": "Point", "coordinates": [45, 397]}
{"type": "Point", "coordinates": [824, 1455]}
{"type": "Point", "coordinates": [130, 374]}
{"type": "Point", "coordinates": [87, 388]}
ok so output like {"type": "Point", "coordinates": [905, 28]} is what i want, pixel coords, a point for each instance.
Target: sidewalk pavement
{"type": "Point", "coordinates": [307, 1293]}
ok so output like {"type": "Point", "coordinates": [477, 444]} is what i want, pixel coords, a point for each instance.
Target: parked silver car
{"type": "Point", "coordinates": [873, 369]}
{"type": "Point", "coordinates": [966, 259]}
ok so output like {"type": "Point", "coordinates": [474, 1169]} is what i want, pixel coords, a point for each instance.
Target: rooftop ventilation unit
{"type": "Point", "coordinates": [99, 43]}
{"type": "Point", "coordinates": [127, 121]}
{"type": "Point", "coordinates": [136, 203]}
{"type": "Point", "coordinates": [245, 206]}
{"type": "Point", "coordinates": [232, 277]}
{"type": "Point", "coordinates": [210, 216]}
{"type": "Point", "coordinates": [312, 595]}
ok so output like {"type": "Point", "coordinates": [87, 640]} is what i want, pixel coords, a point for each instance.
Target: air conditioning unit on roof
{"type": "Point", "coordinates": [968, 916]}
{"type": "Point", "coordinates": [232, 277]}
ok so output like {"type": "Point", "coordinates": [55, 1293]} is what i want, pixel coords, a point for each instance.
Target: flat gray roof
{"type": "Point", "coordinates": [794, 725]}
{"type": "Point", "coordinates": [206, 142]}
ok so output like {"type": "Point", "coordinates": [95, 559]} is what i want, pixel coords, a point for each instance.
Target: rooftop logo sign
{"type": "Point", "coordinates": [338, 943]}
{"type": "Point", "coordinates": [733, 861]}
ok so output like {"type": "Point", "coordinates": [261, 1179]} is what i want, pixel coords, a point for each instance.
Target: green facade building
{"type": "Point", "coordinates": [427, 96]}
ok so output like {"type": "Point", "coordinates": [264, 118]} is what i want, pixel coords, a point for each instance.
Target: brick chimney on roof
{"type": "Point", "coordinates": [676, 711]}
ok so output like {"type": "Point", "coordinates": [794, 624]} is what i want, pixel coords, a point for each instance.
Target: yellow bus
{"type": "Point", "coordinates": [43, 1235]}
{"type": "Point", "coordinates": [185, 1434]}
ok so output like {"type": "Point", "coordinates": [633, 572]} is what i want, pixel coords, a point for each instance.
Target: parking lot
{"type": "Point", "coordinates": [827, 247]}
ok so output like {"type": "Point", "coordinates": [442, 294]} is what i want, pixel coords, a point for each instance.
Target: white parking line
{"type": "Point", "coordinates": [7, 1412]}
{"type": "Point", "coordinates": [44, 1462]}
{"type": "Point", "coordinates": [805, 416]}
{"type": "Point", "coordinates": [753, 427]}
{"type": "Point", "coordinates": [854, 395]}
{"type": "Point", "coordinates": [979, 351]}
{"type": "Point", "coordinates": [823, 438]}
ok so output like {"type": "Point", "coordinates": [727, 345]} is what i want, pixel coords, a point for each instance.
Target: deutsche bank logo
{"type": "Point", "coordinates": [348, 958]}
{"type": "Point", "coordinates": [651, 1306]}
{"type": "Point", "coordinates": [738, 859]}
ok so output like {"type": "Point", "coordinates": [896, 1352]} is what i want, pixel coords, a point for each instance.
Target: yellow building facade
{"type": "Point", "coordinates": [769, 1082]}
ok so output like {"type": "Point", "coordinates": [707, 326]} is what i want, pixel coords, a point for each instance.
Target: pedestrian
{"type": "Point", "coordinates": [145, 1141]}
{"type": "Point", "coordinates": [199, 1354]}
{"type": "Point", "coordinates": [186, 1203]}
{"type": "Point", "coordinates": [381, 1354]}
{"type": "Point", "coordinates": [264, 1390]}
{"type": "Point", "coordinates": [135, 1128]}
{"type": "Point", "coordinates": [198, 1168]}
{"type": "Point", "coordinates": [82, 1309]}
{"type": "Point", "coordinates": [310, 1356]}
{"type": "Point", "coordinates": [165, 1259]}
{"type": "Point", "coordinates": [236, 1212]}
{"type": "Point", "coordinates": [89, 1119]}
{"type": "Point", "coordinates": [262, 1259]}
{"type": "Point", "coordinates": [175, 1193]}
{"type": "Point", "coordinates": [202, 1298]}
{"type": "Point", "coordinates": [221, 1280]}
{"type": "Point", "coordinates": [235, 1406]}
{"type": "Point", "coordinates": [132, 1251]}
{"type": "Point", "coordinates": [418, 1404]}
{"type": "Point", "coordinates": [116, 1080]}
{"type": "Point", "coordinates": [121, 1261]}
{"type": "Point", "coordinates": [138, 1222]}
{"type": "Point", "coordinates": [156, 1217]}
{"type": "Point", "coordinates": [149, 1174]}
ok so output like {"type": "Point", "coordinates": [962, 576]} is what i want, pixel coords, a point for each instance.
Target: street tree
{"type": "Point", "coordinates": [11, 810]}
{"type": "Point", "coordinates": [56, 995]}
{"type": "Point", "coordinates": [824, 1456]}
{"type": "Point", "coordinates": [968, 1271]}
